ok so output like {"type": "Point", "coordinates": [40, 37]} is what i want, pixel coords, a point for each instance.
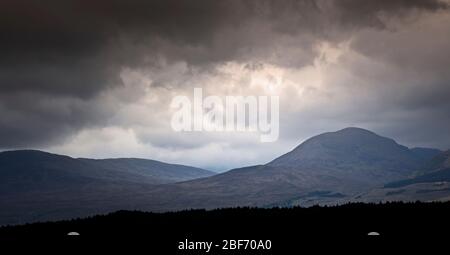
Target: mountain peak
{"type": "Point", "coordinates": [350, 149]}
{"type": "Point", "coordinates": [354, 130]}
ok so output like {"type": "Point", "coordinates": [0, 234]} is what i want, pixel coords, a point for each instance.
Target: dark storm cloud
{"type": "Point", "coordinates": [354, 13]}
{"type": "Point", "coordinates": [29, 119]}
{"type": "Point", "coordinates": [56, 57]}
{"type": "Point", "coordinates": [86, 39]}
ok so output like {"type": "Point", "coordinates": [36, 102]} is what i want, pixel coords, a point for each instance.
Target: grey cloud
{"type": "Point", "coordinates": [30, 119]}
{"type": "Point", "coordinates": [72, 51]}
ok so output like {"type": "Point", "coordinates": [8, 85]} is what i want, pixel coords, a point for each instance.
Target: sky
{"type": "Point", "coordinates": [96, 78]}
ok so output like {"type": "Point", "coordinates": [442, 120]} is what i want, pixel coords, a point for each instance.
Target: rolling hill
{"type": "Point", "coordinates": [31, 168]}
{"type": "Point", "coordinates": [328, 168]}
{"type": "Point", "coordinates": [37, 185]}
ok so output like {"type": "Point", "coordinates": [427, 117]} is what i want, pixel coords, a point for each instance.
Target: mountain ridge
{"type": "Point", "coordinates": [353, 151]}
{"type": "Point", "coordinates": [327, 168]}
{"type": "Point", "coordinates": [41, 170]}
{"type": "Point", "coordinates": [271, 184]}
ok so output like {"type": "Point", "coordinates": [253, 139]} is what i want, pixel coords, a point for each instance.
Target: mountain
{"type": "Point", "coordinates": [36, 185]}
{"type": "Point", "coordinates": [352, 153]}
{"type": "Point", "coordinates": [151, 170]}
{"type": "Point", "coordinates": [442, 175]}
{"type": "Point", "coordinates": [31, 168]}
{"type": "Point", "coordinates": [425, 154]}
{"type": "Point", "coordinates": [438, 162]}
{"type": "Point", "coordinates": [436, 170]}
{"type": "Point", "coordinates": [433, 183]}
{"type": "Point", "coordinates": [327, 168]}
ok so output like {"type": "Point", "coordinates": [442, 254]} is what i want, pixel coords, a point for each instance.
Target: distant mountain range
{"type": "Point", "coordinates": [352, 164]}
{"type": "Point", "coordinates": [38, 185]}
{"type": "Point", "coordinates": [37, 169]}
{"type": "Point", "coordinates": [327, 168]}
